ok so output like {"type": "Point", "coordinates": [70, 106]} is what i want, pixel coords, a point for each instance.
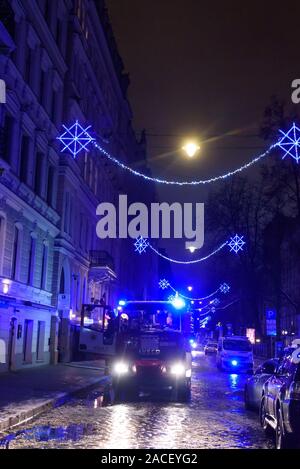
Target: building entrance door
{"type": "Point", "coordinates": [12, 343]}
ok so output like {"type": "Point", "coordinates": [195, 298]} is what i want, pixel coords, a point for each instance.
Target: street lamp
{"type": "Point", "coordinates": [191, 148]}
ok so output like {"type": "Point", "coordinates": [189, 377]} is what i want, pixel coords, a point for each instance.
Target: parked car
{"type": "Point", "coordinates": [254, 384]}
{"type": "Point", "coordinates": [235, 353]}
{"type": "Point", "coordinates": [280, 403]}
{"type": "Point", "coordinates": [210, 348]}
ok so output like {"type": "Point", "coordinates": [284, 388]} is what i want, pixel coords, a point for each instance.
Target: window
{"type": "Point", "coordinates": [71, 218]}
{"type": "Point", "coordinates": [38, 173]}
{"type": "Point", "coordinates": [2, 239]}
{"type": "Point", "coordinates": [16, 253]}
{"type": "Point", "coordinates": [8, 17]}
{"type": "Point", "coordinates": [50, 185]}
{"type": "Point", "coordinates": [81, 231]}
{"type": "Point", "coordinates": [31, 259]}
{"type": "Point", "coordinates": [6, 137]}
{"type": "Point", "coordinates": [28, 62]}
{"type": "Point", "coordinates": [67, 212]}
{"type": "Point", "coordinates": [44, 267]}
{"type": "Point", "coordinates": [42, 86]}
{"type": "Point", "coordinates": [24, 163]}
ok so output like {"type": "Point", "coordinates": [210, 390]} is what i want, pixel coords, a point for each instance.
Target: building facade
{"type": "Point", "coordinates": [281, 281]}
{"type": "Point", "coordinates": [60, 63]}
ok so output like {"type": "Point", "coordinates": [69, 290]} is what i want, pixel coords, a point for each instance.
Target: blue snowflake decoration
{"type": "Point", "coordinates": [290, 142]}
{"type": "Point", "coordinates": [236, 243]}
{"type": "Point", "coordinates": [216, 302]}
{"type": "Point", "coordinates": [75, 139]}
{"type": "Point", "coordinates": [171, 298]}
{"type": "Point", "coordinates": [163, 284]}
{"type": "Point", "coordinates": [224, 288]}
{"type": "Point", "coordinates": [141, 244]}
{"type": "Point", "coordinates": [213, 309]}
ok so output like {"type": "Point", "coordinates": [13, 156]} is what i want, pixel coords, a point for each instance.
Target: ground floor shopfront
{"type": "Point", "coordinates": [27, 334]}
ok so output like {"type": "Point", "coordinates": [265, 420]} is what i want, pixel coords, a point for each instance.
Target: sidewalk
{"type": "Point", "coordinates": [26, 393]}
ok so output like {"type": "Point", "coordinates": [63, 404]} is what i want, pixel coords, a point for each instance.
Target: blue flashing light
{"type": "Point", "coordinates": [234, 362]}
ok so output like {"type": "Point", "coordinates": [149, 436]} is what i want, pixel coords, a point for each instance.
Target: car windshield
{"type": "Point", "coordinates": [237, 345]}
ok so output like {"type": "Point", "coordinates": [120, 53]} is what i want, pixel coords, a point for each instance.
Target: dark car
{"type": "Point", "coordinates": [280, 404]}
{"type": "Point", "coordinates": [254, 385]}
{"type": "Point", "coordinates": [211, 348]}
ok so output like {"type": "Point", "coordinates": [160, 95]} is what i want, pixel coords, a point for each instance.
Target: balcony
{"type": "Point", "coordinates": [102, 266]}
{"type": "Point", "coordinates": [101, 259]}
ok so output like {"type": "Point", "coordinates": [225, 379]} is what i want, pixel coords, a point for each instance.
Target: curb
{"type": "Point", "coordinates": [57, 401]}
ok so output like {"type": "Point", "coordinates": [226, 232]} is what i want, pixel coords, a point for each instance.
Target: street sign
{"type": "Point", "coordinates": [271, 322]}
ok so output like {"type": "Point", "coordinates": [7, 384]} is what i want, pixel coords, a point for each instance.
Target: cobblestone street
{"type": "Point", "coordinates": [215, 418]}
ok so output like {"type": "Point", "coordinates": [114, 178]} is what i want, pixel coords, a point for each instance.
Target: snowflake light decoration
{"type": "Point", "coordinates": [224, 288]}
{"type": "Point", "coordinates": [75, 139]}
{"type": "Point", "coordinates": [213, 309]}
{"type": "Point", "coordinates": [290, 142]}
{"type": "Point", "coordinates": [141, 244]}
{"type": "Point", "coordinates": [171, 298]}
{"type": "Point", "coordinates": [163, 284]}
{"type": "Point", "coordinates": [236, 243]}
{"type": "Point", "coordinates": [216, 302]}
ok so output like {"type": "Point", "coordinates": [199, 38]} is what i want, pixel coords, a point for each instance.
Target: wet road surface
{"type": "Point", "coordinates": [214, 418]}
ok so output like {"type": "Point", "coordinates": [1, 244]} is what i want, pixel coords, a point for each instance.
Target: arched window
{"type": "Point", "coordinates": [16, 254]}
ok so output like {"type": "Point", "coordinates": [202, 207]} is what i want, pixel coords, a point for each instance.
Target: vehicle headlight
{"type": "Point", "coordinates": [121, 368]}
{"type": "Point", "coordinates": [177, 369]}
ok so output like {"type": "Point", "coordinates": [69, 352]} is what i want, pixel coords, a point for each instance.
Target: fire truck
{"type": "Point", "coordinates": [153, 353]}
{"type": "Point", "coordinates": [146, 345]}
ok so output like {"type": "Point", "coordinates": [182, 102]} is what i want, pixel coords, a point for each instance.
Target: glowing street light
{"type": "Point", "coordinates": [192, 249]}
{"type": "Point", "coordinates": [190, 288]}
{"type": "Point", "coordinates": [191, 148]}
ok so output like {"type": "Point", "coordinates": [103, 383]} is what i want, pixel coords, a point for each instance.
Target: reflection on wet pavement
{"type": "Point", "coordinates": [215, 418]}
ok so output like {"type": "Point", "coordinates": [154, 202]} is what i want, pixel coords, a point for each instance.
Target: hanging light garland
{"type": "Point", "coordinates": [235, 244]}
{"type": "Point", "coordinates": [76, 139]}
{"type": "Point", "coordinates": [223, 288]}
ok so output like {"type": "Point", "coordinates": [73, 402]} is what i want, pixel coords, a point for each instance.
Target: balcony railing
{"type": "Point", "coordinates": [101, 259]}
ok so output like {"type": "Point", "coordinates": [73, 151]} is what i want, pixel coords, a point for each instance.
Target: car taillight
{"type": "Point", "coordinates": [294, 390]}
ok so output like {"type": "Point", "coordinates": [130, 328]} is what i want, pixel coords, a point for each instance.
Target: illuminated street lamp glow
{"type": "Point", "coordinates": [191, 148]}
{"type": "Point", "coordinates": [190, 288]}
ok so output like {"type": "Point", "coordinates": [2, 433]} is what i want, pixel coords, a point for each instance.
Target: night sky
{"type": "Point", "coordinates": [204, 69]}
